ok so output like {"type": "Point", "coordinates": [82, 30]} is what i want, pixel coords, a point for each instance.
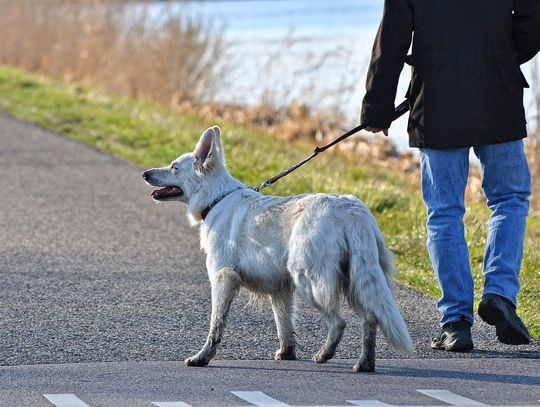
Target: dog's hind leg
{"type": "Point", "coordinates": [283, 307]}
{"type": "Point", "coordinates": [367, 359]}
{"type": "Point", "coordinates": [336, 326]}
{"type": "Point", "coordinates": [324, 296]}
{"type": "Point", "coordinates": [225, 286]}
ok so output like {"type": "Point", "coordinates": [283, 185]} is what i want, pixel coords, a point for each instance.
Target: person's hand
{"type": "Point", "coordinates": [377, 130]}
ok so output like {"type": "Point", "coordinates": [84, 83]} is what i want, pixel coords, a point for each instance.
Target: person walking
{"type": "Point", "coordinates": [466, 91]}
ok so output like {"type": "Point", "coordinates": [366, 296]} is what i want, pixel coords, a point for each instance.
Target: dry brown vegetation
{"type": "Point", "coordinates": [126, 50]}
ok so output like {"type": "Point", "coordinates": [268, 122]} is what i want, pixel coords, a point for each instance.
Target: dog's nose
{"type": "Point", "coordinates": [145, 175]}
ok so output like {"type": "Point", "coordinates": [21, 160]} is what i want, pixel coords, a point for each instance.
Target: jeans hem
{"type": "Point", "coordinates": [457, 319]}
{"type": "Point", "coordinates": [500, 295]}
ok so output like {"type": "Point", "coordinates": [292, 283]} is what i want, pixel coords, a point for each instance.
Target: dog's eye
{"type": "Point", "coordinates": [173, 167]}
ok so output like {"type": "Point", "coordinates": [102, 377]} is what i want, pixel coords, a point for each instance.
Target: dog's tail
{"type": "Point", "coordinates": [370, 285]}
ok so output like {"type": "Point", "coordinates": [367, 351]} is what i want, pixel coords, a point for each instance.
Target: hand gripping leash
{"type": "Point", "coordinates": [399, 111]}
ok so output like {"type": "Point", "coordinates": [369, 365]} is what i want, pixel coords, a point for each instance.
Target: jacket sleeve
{"type": "Point", "coordinates": [387, 58]}
{"type": "Point", "coordinates": [526, 29]}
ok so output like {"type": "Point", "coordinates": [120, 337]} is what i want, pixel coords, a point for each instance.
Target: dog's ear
{"type": "Point", "coordinates": [217, 141]}
{"type": "Point", "coordinates": [209, 150]}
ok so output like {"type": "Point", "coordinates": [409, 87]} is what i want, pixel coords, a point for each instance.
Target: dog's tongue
{"type": "Point", "coordinates": [166, 191]}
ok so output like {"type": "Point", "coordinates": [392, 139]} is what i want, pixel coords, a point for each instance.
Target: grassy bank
{"type": "Point", "coordinates": [152, 135]}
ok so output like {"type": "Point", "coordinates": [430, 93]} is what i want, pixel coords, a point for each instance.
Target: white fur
{"type": "Point", "coordinates": [324, 246]}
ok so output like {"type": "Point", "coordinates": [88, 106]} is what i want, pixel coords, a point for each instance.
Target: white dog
{"type": "Point", "coordinates": [328, 247]}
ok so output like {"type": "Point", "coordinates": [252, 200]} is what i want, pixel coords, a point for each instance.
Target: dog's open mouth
{"type": "Point", "coordinates": [167, 192]}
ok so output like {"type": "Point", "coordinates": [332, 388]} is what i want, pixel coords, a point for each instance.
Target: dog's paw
{"type": "Point", "coordinates": [287, 354]}
{"type": "Point", "coordinates": [364, 366]}
{"type": "Point", "coordinates": [322, 356]}
{"type": "Point", "coordinates": [197, 360]}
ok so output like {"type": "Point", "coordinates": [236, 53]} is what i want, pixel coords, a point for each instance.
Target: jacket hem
{"type": "Point", "coordinates": [470, 142]}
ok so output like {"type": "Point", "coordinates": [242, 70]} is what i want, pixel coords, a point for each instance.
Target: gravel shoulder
{"type": "Point", "coordinates": [93, 270]}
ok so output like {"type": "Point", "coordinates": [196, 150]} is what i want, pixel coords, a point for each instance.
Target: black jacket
{"type": "Point", "coordinates": [466, 87]}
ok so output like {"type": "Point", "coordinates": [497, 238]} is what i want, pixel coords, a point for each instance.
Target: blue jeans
{"type": "Point", "coordinates": [506, 185]}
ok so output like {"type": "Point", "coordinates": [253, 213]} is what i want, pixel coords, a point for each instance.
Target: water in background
{"type": "Point", "coordinates": [297, 50]}
{"type": "Point", "coordinates": [307, 51]}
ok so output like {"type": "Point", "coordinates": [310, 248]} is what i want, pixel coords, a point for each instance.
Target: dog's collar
{"type": "Point", "coordinates": [207, 210]}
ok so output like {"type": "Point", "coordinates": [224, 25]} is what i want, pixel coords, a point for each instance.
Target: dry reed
{"type": "Point", "coordinates": [125, 48]}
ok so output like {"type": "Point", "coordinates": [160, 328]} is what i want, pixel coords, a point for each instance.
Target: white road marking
{"type": "Point", "coordinates": [65, 400]}
{"type": "Point", "coordinates": [451, 398]}
{"type": "Point", "coordinates": [258, 398]}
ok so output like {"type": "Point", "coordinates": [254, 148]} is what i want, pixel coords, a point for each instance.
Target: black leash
{"type": "Point", "coordinates": [399, 111]}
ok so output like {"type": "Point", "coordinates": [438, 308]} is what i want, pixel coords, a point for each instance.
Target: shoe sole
{"type": "Point", "coordinates": [464, 348]}
{"type": "Point", "coordinates": [506, 331]}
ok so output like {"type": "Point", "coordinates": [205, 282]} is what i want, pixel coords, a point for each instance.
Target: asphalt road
{"type": "Point", "coordinates": [494, 382]}
{"type": "Point", "coordinates": [92, 270]}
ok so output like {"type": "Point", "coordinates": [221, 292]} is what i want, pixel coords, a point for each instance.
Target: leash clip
{"type": "Point", "coordinates": [265, 184]}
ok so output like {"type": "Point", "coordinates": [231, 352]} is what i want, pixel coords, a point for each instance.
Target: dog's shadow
{"type": "Point", "coordinates": [342, 368]}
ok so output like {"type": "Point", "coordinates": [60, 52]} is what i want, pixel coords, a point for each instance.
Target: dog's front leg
{"type": "Point", "coordinates": [225, 285]}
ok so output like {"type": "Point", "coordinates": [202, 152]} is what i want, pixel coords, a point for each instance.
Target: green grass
{"type": "Point", "coordinates": [153, 135]}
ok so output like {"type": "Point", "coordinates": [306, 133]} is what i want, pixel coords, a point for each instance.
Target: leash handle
{"type": "Point", "coordinates": [399, 111]}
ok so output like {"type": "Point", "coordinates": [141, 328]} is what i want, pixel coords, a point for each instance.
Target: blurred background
{"type": "Point", "coordinates": [295, 68]}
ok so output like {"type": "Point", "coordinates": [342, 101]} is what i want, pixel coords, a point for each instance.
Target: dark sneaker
{"type": "Point", "coordinates": [498, 311]}
{"type": "Point", "coordinates": [454, 337]}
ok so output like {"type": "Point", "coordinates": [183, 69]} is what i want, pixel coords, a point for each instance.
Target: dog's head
{"type": "Point", "coordinates": [186, 175]}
